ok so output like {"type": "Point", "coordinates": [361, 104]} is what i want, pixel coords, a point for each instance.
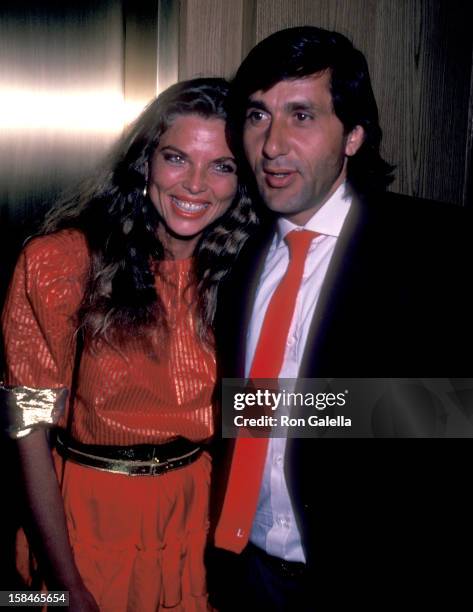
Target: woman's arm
{"type": "Point", "coordinates": [49, 521]}
{"type": "Point", "coordinates": [38, 329]}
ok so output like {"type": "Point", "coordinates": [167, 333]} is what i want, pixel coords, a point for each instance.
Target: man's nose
{"type": "Point", "coordinates": [194, 181]}
{"type": "Point", "coordinates": [275, 143]}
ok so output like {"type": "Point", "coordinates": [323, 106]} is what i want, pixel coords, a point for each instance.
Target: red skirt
{"type": "Point", "coordinates": [139, 541]}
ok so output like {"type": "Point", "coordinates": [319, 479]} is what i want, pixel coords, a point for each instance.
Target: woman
{"type": "Point", "coordinates": [130, 266]}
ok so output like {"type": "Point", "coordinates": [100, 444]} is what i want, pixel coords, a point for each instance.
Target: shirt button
{"type": "Point", "coordinates": [278, 460]}
{"type": "Point", "coordinates": [290, 341]}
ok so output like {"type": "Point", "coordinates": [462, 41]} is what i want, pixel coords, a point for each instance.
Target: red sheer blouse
{"type": "Point", "coordinates": [137, 394]}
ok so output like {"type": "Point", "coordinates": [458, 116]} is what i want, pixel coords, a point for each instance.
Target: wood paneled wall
{"type": "Point", "coordinates": [211, 38]}
{"type": "Point", "coordinates": [420, 58]}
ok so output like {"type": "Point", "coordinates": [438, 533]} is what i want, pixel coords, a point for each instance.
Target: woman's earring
{"type": "Point", "coordinates": [145, 191]}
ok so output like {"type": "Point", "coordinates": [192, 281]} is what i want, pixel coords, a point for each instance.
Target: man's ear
{"type": "Point", "coordinates": [354, 140]}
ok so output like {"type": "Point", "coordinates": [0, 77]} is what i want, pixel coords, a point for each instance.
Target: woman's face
{"type": "Point", "coordinates": [192, 180]}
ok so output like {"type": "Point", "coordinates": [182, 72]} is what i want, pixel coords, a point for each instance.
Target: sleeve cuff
{"type": "Point", "coordinates": [24, 409]}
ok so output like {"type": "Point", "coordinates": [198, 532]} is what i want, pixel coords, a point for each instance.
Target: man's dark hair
{"type": "Point", "coordinates": [295, 53]}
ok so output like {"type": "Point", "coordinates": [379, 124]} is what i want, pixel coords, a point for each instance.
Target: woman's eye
{"type": "Point", "coordinates": [173, 158]}
{"type": "Point", "coordinates": [225, 168]}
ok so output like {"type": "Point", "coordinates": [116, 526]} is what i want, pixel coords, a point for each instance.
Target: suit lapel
{"type": "Point", "coordinates": [342, 270]}
{"type": "Point", "coordinates": [237, 295]}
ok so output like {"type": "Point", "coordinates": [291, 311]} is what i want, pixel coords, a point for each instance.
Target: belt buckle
{"type": "Point", "coordinates": [157, 467]}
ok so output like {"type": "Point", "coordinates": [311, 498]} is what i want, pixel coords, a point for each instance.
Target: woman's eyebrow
{"type": "Point", "coordinates": [225, 159]}
{"type": "Point", "coordinates": [174, 149]}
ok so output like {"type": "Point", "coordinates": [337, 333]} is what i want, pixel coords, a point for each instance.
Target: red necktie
{"type": "Point", "coordinates": [249, 455]}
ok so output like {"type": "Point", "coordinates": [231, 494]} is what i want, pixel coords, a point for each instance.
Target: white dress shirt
{"type": "Point", "coordinates": [274, 528]}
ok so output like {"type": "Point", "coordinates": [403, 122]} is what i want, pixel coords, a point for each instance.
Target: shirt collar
{"type": "Point", "coordinates": [328, 220]}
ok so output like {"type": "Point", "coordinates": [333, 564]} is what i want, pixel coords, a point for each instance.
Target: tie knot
{"type": "Point", "coordinates": [298, 242]}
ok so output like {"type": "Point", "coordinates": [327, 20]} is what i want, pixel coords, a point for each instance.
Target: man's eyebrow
{"type": "Point", "coordinates": [300, 105]}
{"type": "Point", "coordinates": [289, 107]}
{"type": "Point", "coordinates": [252, 103]}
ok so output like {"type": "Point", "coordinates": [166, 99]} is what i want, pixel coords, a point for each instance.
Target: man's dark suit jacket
{"type": "Point", "coordinates": [394, 304]}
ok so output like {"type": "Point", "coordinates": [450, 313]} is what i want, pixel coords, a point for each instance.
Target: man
{"type": "Point", "coordinates": [379, 294]}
